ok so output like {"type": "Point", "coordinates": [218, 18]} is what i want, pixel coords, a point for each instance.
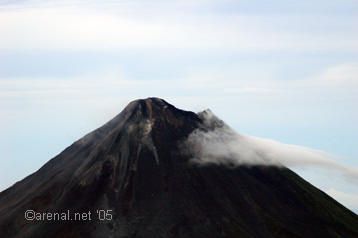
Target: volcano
{"type": "Point", "coordinates": [135, 172]}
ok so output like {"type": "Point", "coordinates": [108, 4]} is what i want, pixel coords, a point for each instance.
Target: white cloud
{"type": "Point", "coordinates": [340, 75]}
{"type": "Point", "coordinates": [74, 28]}
{"type": "Point", "coordinates": [222, 145]}
{"type": "Point", "coordinates": [229, 83]}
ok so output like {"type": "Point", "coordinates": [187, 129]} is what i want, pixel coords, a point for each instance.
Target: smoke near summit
{"type": "Point", "coordinates": [222, 145]}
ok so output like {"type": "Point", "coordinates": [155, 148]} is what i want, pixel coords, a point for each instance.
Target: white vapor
{"type": "Point", "coordinates": [222, 145]}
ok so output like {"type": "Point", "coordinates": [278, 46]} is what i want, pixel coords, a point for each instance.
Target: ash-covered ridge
{"type": "Point", "coordinates": [136, 166]}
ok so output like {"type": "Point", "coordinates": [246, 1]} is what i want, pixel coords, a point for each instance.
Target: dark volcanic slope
{"type": "Point", "coordinates": [133, 166]}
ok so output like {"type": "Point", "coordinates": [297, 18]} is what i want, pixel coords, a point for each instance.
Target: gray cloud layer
{"type": "Point", "coordinates": [222, 145]}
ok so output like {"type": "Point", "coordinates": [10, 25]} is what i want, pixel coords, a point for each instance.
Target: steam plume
{"type": "Point", "coordinates": [217, 143]}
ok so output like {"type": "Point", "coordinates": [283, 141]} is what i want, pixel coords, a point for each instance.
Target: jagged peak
{"type": "Point", "coordinates": [210, 120]}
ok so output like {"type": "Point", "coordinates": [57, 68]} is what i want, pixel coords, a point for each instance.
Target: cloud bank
{"type": "Point", "coordinates": [222, 145]}
{"type": "Point", "coordinates": [71, 25]}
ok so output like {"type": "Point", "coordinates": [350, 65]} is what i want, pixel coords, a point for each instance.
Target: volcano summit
{"type": "Point", "coordinates": [137, 168]}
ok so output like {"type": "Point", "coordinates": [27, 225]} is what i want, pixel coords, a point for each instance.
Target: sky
{"type": "Point", "coordinates": [282, 70]}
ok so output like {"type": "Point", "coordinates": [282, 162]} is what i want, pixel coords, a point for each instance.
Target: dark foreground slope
{"type": "Point", "coordinates": [133, 166]}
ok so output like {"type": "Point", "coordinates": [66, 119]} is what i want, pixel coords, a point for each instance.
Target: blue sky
{"type": "Point", "coordinates": [285, 70]}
